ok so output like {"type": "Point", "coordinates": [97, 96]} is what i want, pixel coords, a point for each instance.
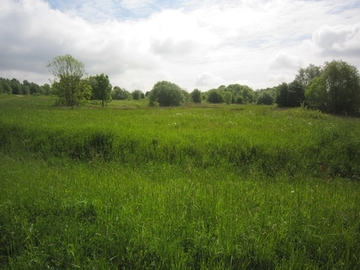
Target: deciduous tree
{"type": "Point", "coordinates": [120, 93]}
{"type": "Point", "coordinates": [296, 94]}
{"type": "Point", "coordinates": [68, 73]}
{"type": "Point", "coordinates": [316, 96]}
{"type": "Point", "coordinates": [265, 98]}
{"type": "Point", "coordinates": [101, 88]}
{"type": "Point", "coordinates": [227, 97]}
{"type": "Point", "coordinates": [290, 95]}
{"type": "Point", "coordinates": [282, 95]}
{"type": "Point", "coordinates": [343, 87]}
{"type": "Point", "coordinates": [196, 96]}
{"type": "Point", "coordinates": [166, 94]}
{"type": "Point", "coordinates": [306, 75]}
{"type": "Point", "coordinates": [137, 94]}
{"type": "Point", "coordinates": [215, 96]}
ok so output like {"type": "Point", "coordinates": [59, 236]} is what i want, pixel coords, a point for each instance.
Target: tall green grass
{"type": "Point", "coordinates": [77, 215]}
{"type": "Point", "coordinates": [248, 139]}
{"type": "Point", "coordinates": [218, 187]}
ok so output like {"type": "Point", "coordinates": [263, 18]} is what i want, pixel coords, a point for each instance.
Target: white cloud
{"type": "Point", "coordinates": [138, 43]}
{"type": "Point", "coordinates": [338, 39]}
{"type": "Point", "coordinates": [170, 46]}
{"type": "Point", "coordinates": [284, 61]}
{"type": "Point", "coordinates": [136, 4]}
{"type": "Point", "coordinates": [207, 79]}
{"type": "Point", "coordinates": [278, 78]}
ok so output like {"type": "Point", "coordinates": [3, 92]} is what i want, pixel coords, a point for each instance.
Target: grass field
{"type": "Point", "coordinates": [194, 187]}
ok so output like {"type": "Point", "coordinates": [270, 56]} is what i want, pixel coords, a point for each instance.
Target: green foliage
{"type": "Point", "coordinates": [248, 94]}
{"type": "Point", "coordinates": [343, 86]}
{"type": "Point", "coordinates": [120, 94]}
{"type": "Point", "coordinates": [243, 93]}
{"type": "Point", "coordinates": [25, 89]}
{"type": "Point", "coordinates": [66, 66]}
{"type": "Point", "coordinates": [228, 97]}
{"type": "Point", "coordinates": [101, 88]}
{"type": "Point", "coordinates": [240, 93]}
{"type": "Point", "coordinates": [239, 99]}
{"type": "Point", "coordinates": [290, 95]}
{"type": "Point", "coordinates": [166, 94]}
{"type": "Point", "coordinates": [215, 96]}
{"type": "Point", "coordinates": [137, 94]}
{"type": "Point", "coordinates": [31, 88]}
{"type": "Point", "coordinates": [233, 93]}
{"type": "Point", "coordinates": [68, 73]}
{"type": "Point", "coordinates": [196, 96]}
{"type": "Point", "coordinates": [316, 95]}
{"type": "Point", "coordinates": [281, 98]}
{"type": "Point", "coordinates": [16, 87]}
{"type": "Point", "coordinates": [71, 91]}
{"type": "Point", "coordinates": [306, 75]}
{"type": "Point", "coordinates": [265, 98]}
{"type": "Point", "coordinates": [82, 92]}
{"type": "Point", "coordinates": [296, 94]}
{"type": "Point", "coordinates": [6, 88]}
{"type": "Point", "coordinates": [335, 88]}
{"type": "Point", "coordinates": [45, 89]}
{"type": "Point", "coordinates": [187, 96]}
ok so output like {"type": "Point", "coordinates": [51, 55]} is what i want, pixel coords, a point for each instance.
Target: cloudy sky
{"type": "Point", "coordinates": [193, 43]}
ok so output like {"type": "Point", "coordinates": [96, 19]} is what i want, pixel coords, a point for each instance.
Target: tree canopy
{"type": "Point", "coordinates": [196, 96]}
{"type": "Point", "coordinates": [215, 96]}
{"type": "Point", "coordinates": [101, 88]}
{"type": "Point", "coordinates": [68, 73]}
{"type": "Point", "coordinates": [166, 94]}
{"type": "Point", "coordinates": [137, 94]}
{"type": "Point", "coordinates": [316, 95]}
{"type": "Point", "coordinates": [306, 75]}
{"type": "Point", "coordinates": [120, 93]}
{"type": "Point", "coordinates": [333, 88]}
{"type": "Point", "coordinates": [66, 66]}
{"type": "Point", "coordinates": [265, 98]}
{"type": "Point", "coordinates": [342, 84]}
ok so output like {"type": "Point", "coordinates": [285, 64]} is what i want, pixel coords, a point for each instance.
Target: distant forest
{"type": "Point", "coordinates": [15, 87]}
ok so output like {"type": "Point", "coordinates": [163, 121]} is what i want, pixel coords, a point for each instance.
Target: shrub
{"type": "Point", "coordinates": [215, 97]}
{"type": "Point", "coordinates": [266, 99]}
{"type": "Point", "coordinates": [166, 94]}
{"type": "Point", "coordinates": [120, 93]}
{"type": "Point", "coordinates": [196, 96]}
{"type": "Point", "coordinates": [137, 94]}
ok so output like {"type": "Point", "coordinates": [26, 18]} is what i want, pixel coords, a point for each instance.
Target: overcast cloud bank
{"type": "Point", "coordinates": [195, 44]}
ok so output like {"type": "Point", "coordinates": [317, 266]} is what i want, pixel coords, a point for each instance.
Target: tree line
{"type": "Point", "coordinates": [73, 89]}
{"type": "Point", "coordinates": [70, 85]}
{"type": "Point", "coordinates": [332, 88]}
{"type": "Point", "coordinates": [16, 87]}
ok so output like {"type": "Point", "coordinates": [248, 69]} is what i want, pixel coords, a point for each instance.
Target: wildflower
{"type": "Point", "coordinates": [293, 191]}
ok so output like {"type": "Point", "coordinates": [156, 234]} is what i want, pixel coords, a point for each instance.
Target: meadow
{"type": "Point", "coordinates": [194, 187]}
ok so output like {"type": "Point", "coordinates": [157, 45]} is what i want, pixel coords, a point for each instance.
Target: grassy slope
{"type": "Point", "coordinates": [206, 206]}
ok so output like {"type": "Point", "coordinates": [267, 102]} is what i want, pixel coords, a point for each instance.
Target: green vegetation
{"type": "Point", "coordinates": [120, 94]}
{"type": "Point", "coordinates": [204, 186]}
{"type": "Point", "coordinates": [196, 96]}
{"type": "Point", "coordinates": [68, 85]}
{"type": "Point", "coordinates": [166, 94]}
{"type": "Point", "coordinates": [333, 88]}
{"type": "Point", "coordinates": [101, 88]}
